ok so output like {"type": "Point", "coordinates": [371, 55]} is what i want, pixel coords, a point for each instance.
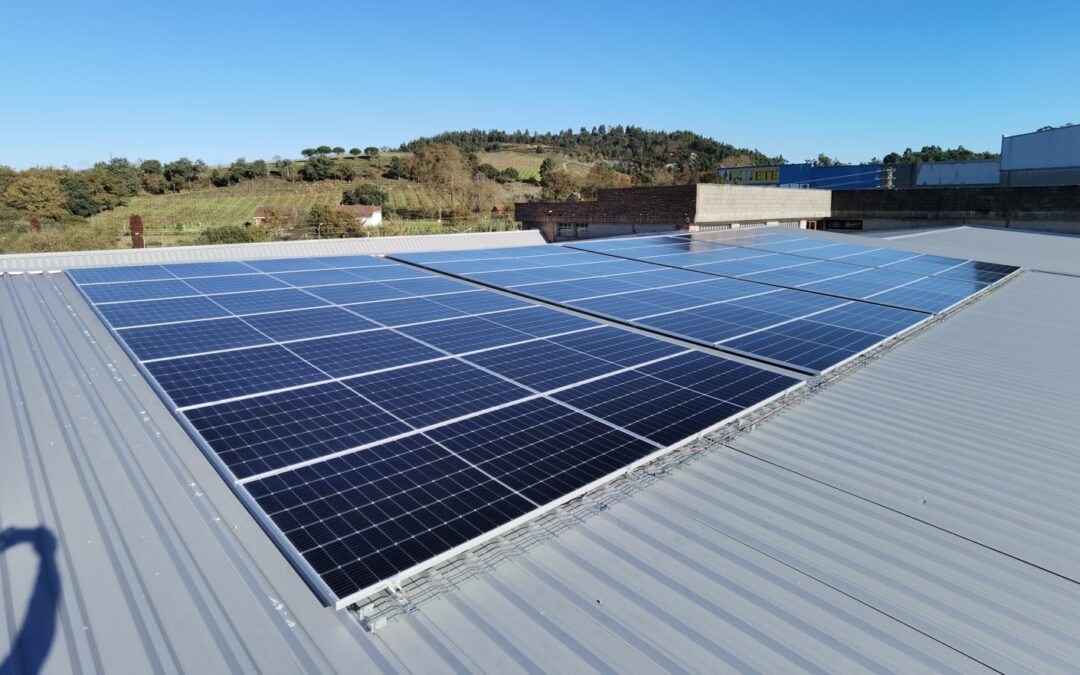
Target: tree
{"type": "Point", "coordinates": [127, 175]}
{"type": "Point", "coordinates": [396, 168]}
{"type": "Point", "coordinates": [602, 176]}
{"type": "Point", "coordinates": [355, 152]}
{"type": "Point", "coordinates": [80, 201]}
{"type": "Point", "coordinates": [547, 165]}
{"type": "Point", "coordinates": [559, 186]}
{"type": "Point", "coordinates": [488, 170]}
{"type": "Point", "coordinates": [37, 195]}
{"type": "Point", "coordinates": [231, 234]}
{"type": "Point", "coordinates": [182, 173]}
{"type": "Point", "coordinates": [366, 194]}
{"type": "Point", "coordinates": [317, 168]}
{"type": "Point", "coordinates": [284, 167]}
{"type": "Point", "coordinates": [309, 152]}
{"type": "Point", "coordinates": [345, 171]}
{"type": "Point", "coordinates": [339, 151]}
{"type": "Point", "coordinates": [150, 166]}
{"type": "Point", "coordinates": [371, 151]}
{"type": "Point", "coordinates": [324, 149]}
{"type": "Point", "coordinates": [446, 172]}
{"type": "Point", "coordinates": [508, 175]}
{"type": "Point", "coordinates": [328, 222]}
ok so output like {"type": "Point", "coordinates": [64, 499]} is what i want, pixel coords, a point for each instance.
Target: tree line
{"type": "Point", "coordinates": [641, 153]}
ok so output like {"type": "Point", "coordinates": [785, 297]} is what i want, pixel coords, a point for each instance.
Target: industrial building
{"type": "Point", "coordinates": [915, 511]}
{"type": "Point", "coordinates": [699, 207]}
{"type": "Point", "coordinates": [1050, 156]}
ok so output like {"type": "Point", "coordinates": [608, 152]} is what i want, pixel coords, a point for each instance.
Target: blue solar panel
{"type": "Point", "coordinates": [123, 314]}
{"type": "Point", "coordinates": [362, 352]}
{"type": "Point", "coordinates": [259, 434]}
{"type": "Point", "coordinates": [543, 365]}
{"type": "Point", "coordinates": [137, 290]}
{"type": "Point", "coordinates": [365, 517]}
{"type": "Point", "coordinates": [315, 409]}
{"type": "Point", "coordinates": [540, 321]}
{"type": "Point", "coordinates": [386, 272]}
{"type": "Point", "coordinates": [457, 336]}
{"type": "Point", "coordinates": [235, 283]}
{"type": "Point", "coordinates": [430, 393]}
{"type": "Point", "coordinates": [806, 344]}
{"type": "Point", "coordinates": [541, 449]}
{"type": "Point", "coordinates": [478, 302]}
{"type": "Point", "coordinates": [405, 311]}
{"type": "Point", "coordinates": [933, 294]}
{"type": "Point", "coordinates": [308, 323]}
{"type": "Point", "coordinates": [978, 272]}
{"type": "Point", "coordinates": [213, 377]}
{"type": "Point", "coordinates": [287, 265]}
{"type": "Point", "coordinates": [925, 264]}
{"type": "Point", "coordinates": [343, 261]}
{"type": "Point", "coordinates": [208, 269]}
{"type": "Point", "coordinates": [316, 277]}
{"type": "Point", "coordinates": [154, 342]}
{"type": "Point", "coordinates": [267, 301]}
{"type": "Point", "coordinates": [660, 411]}
{"type": "Point", "coordinates": [428, 286]}
{"type": "Point", "coordinates": [359, 292]}
{"type": "Point", "coordinates": [93, 275]}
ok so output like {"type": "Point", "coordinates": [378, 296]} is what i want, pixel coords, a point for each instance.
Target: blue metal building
{"type": "Point", "coordinates": [853, 177]}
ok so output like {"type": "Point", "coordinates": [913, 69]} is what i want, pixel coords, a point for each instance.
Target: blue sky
{"type": "Point", "coordinates": [80, 82]}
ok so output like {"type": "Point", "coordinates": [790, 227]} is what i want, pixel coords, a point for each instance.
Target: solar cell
{"type": "Point", "coordinates": [287, 265]}
{"type": "Point", "coordinates": [92, 275]}
{"type": "Point", "coordinates": [137, 290]}
{"type": "Point", "coordinates": [457, 336]}
{"type": "Point", "coordinates": [235, 283]}
{"type": "Point", "coordinates": [213, 377]}
{"type": "Point", "coordinates": [267, 301]}
{"type": "Point", "coordinates": [430, 393]}
{"type": "Point", "coordinates": [124, 314]}
{"type": "Point", "coordinates": [345, 294]}
{"type": "Point", "coordinates": [208, 269]}
{"type": "Point", "coordinates": [315, 277]}
{"type": "Point", "coordinates": [540, 449]}
{"type": "Point", "coordinates": [362, 352]}
{"type": "Point", "coordinates": [405, 311]}
{"type": "Point", "coordinates": [308, 323]}
{"type": "Point", "coordinates": [167, 340]}
{"type": "Point", "coordinates": [365, 517]}
{"type": "Point", "coordinates": [543, 364]}
{"type": "Point", "coordinates": [256, 435]}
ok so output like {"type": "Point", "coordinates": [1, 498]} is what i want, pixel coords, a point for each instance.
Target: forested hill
{"type": "Point", "coordinates": [634, 148]}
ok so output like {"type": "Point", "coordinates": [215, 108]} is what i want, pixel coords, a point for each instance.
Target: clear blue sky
{"type": "Point", "coordinates": [81, 81]}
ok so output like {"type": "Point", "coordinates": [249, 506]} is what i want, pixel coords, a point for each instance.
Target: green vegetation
{"type": "Point", "coordinates": [934, 153]}
{"type": "Point", "coordinates": [430, 184]}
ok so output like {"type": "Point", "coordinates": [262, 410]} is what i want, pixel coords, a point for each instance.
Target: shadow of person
{"type": "Point", "coordinates": [35, 635]}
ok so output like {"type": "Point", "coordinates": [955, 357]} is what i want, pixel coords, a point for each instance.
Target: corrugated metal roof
{"type": "Point", "coordinates": [804, 544]}
{"type": "Point", "coordinates": [276, 249]}
{"type": "Point", "coordinates": [1045, 252]}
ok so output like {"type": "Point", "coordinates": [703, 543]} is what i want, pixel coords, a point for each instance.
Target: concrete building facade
{"type": "Point", "coordinates": [646, 210]}
{"type": "Point", "coordinates": [621, 212]}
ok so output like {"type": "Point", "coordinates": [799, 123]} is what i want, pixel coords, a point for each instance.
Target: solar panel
{"type": "Point", "coordinates": [715, 311]}
{"type": "Point", "coordinates": [377, 418]}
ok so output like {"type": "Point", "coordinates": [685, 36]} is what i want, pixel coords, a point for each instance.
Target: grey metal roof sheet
{"type": "Point", "coordinates": [804, 544]}
{"type": "Point", "coordinates": [275, 249]}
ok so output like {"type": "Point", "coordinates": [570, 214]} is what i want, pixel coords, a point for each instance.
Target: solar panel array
{"type": "Point", "coordinates": [924, 283]}
{"type": "Point", "coordinates": [376, 418]}
{"type": "Point", "coordinates": [799, 329]}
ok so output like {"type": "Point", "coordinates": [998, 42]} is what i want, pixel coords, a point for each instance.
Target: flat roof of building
{"type": "Point", "coordinates": [916, 513]}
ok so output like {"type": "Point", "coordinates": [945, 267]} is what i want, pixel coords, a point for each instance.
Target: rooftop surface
{"type": "Point", "coordinates": [916, 514]}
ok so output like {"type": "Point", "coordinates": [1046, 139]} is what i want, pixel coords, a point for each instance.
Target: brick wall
{"type": "Point", "coordinates": [668, 205]}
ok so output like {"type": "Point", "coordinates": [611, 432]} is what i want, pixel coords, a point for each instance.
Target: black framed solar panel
{"type": "Point", "coordinates": [376, 418]}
